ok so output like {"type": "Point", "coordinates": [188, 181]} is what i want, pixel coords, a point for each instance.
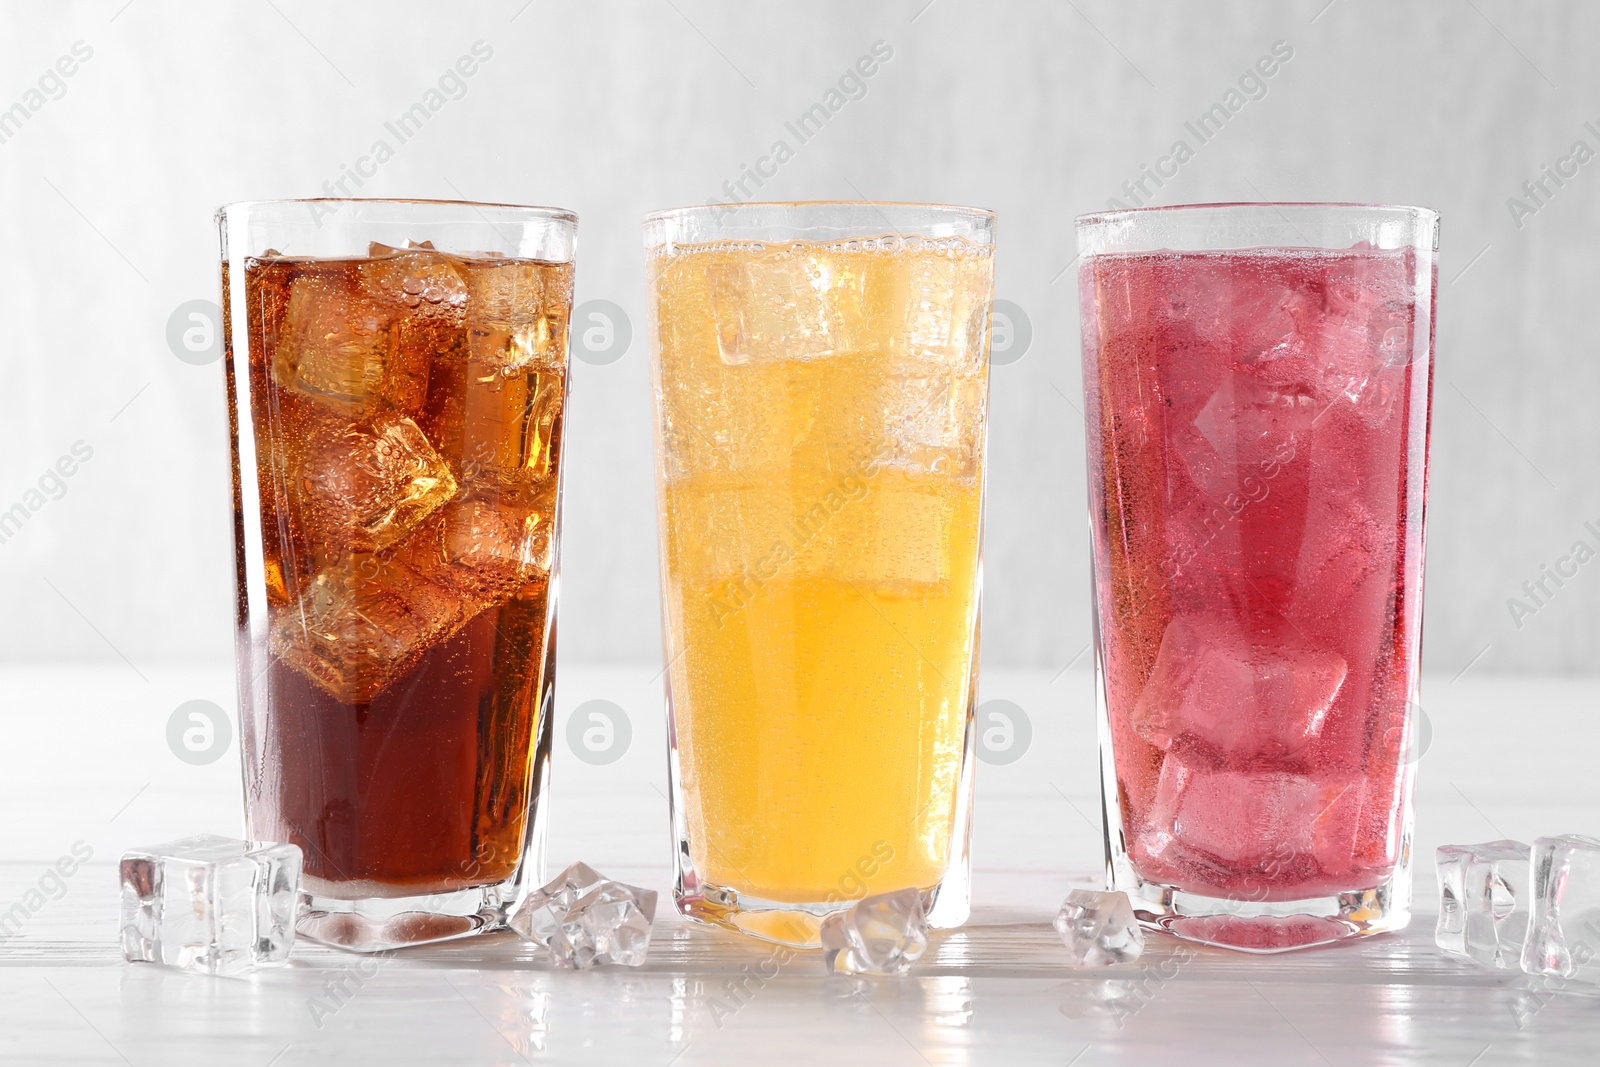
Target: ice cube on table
{"type": "Point", "coordinates": [883, 935]}
{"type": "Point", "coordinates": [366, 484]}
{"type": "Point", "coordinates": [1241, 698]}
{"type": "Point", "coordinates": [339, 345]}
{"type": "Point", "coordinates": [1099, 929]}
{"type": "Point", "coordinates": [1450, 932]}
{"type": "Point", "coordinates": [1491, 884]}
{"type": "Point", "coordinates": [210, 904]}
{"type": "Point", "coordinates": [1564, 924]}
{"type": "Point", "coordinates": [585, 920]}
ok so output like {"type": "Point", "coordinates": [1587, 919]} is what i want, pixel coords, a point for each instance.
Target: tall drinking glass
{"type": "Point", "coordinates": [1257, 381]}
{"type": "Point", "coordinates": [396, 379]}
{"type": "Point", "coordinates": [821, 389]}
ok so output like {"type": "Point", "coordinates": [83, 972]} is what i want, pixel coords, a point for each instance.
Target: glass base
{"type": "Point", "coordinates": [946, 905]}
{"type": "Point", "coordinates": [1264, 926]}
{"type": "Point", "coordinates": [379, 924]}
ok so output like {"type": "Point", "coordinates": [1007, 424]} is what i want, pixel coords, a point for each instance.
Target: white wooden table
{"type": "Point", "coordinates": [85, 759]}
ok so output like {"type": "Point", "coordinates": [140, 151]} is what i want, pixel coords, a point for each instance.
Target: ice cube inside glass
{"type": "Point", "coordinates": [210, 904]}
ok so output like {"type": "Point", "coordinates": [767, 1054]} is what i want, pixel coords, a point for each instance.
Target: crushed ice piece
{"type": "Point", "coordinates": [1099, 929]}
{"type": "Point", "coordinates": [883, 934]}
{"type": "Point", "coordinates": [586, 921]}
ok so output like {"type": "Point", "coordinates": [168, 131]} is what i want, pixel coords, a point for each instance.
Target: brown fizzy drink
{"type": "Point", "coordinates": [406, 411]}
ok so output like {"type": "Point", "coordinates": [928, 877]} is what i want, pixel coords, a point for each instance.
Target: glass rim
{"type": "Point", "coordinates": [724, 209]}
{"type": "Point", "coordinates": [554, 214]}
{"type": "Point", "coordinates": [1116, 214]}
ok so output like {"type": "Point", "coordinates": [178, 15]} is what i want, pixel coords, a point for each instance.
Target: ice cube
{"type": "Point", "coordinates": [1356, 330]}
{"type": "Point", "coordinates": [1491, 884]}
{"type": "Point", "coordinates": [788, 304]}
{"type": "Point", "coordinates": [896, 537]}
{"type": "Point", "coordinates": [512, 293]}
{"type": "Point", "coordinates": [340, 346]}
{"type": "Point", "coordinates": [484, 548]}
{"type": "Point", "coordinates": [1244, 312]}
{"type": "Point", "coordinates": [1249, 425]}
{"type": "Point", "coordinates": [1244, 818]}
{"type": "Point", "coordinates": [368, 483]}
{"type": "Point", "coordinates": [1450, 932]}
{"type": "Point", "coordinates": [586, 920]}
{"type": "Point", "coordinates": [494, 430]}
{"type": "Point", "coordinates": [418, 279]}
{"type": "Point", "coordinates": [1339, 335]}
{"type": "Point", "coordinates": [933, 424]}
{"type": "Point", "coordinates": [539, 345]}
{"type": "Point", "coordinates": [517, 315]}
{"type": "Point", "coordinates": [364, 621]}
{"type": "Point", "coordinates": [1241, 698]}
{"type": "Point", "coordinates": [1345, 564]}
{"type": "Point", "coordinates": [1564, 925]}
{"type": "Point", "coordinates": [1336, 842]}
{"type": "Point", "coordinates": [947, 311]}
{"type": "Point", "coordinates": [210, 904]}
{"type": "Point", "coordinates": [883, 934]}
{"type": "Point", "coordinates": [1099, 928]}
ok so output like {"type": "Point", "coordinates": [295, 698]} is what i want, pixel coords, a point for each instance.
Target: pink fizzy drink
{"type": "Point", "coordinates": [1257, 445]}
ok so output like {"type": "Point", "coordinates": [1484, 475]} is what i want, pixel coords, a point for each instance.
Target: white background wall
{"type": "Point", "coordinates": [1039, 110]}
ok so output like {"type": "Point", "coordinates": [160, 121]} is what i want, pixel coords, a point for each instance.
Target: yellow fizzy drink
{"type": "Point", "coordinates": [821, 418]}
